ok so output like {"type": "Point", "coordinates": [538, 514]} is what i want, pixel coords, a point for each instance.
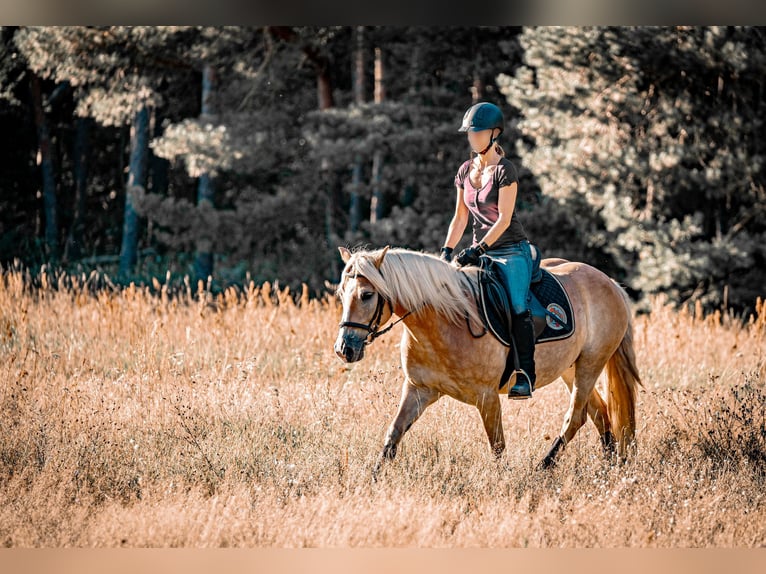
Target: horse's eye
{"type": "Point", "coordinates": [366, 296]}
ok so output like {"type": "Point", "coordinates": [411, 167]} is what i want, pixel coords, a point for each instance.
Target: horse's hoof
{"type": "Point", "coordinates": [550, 459]}
{"type": "Point", "coordinates": [546, 464]}
{"type": "Point", "coordinates": [608, 444]}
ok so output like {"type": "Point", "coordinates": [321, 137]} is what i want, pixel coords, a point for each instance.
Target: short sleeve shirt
{"type": "Point", "coordinates": [482, 203]}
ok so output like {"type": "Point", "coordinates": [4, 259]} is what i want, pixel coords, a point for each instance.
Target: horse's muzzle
{"type": "Point", "coordinates": [349, 348]}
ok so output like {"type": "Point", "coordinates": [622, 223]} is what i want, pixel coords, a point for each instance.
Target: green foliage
{"type": "Point", "coordinates": [639, 149]}
{"type": "Point", "coordinates": [650, 137]}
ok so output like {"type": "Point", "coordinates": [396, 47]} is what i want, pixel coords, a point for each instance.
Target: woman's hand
{"type": "Point", "coordinates": [445, 254]}
{"type": "Point", "coordinates": [471, 255]}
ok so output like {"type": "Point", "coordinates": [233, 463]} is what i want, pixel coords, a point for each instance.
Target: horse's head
{"type": "Point", "coordinates": [365, 309]}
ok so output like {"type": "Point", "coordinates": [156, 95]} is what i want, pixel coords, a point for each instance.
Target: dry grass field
{"type": "Point", "coordinates": [132, 419]}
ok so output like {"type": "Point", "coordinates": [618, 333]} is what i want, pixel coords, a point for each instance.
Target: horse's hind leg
{"type": "Point", "coordinates": [598, 413]}
{"type": "Point", "coordinates": [413, 402]}
{"type": "Point", "coordinates": [581, 389]}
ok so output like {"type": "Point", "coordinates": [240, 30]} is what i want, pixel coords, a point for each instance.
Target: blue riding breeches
{"type": "Point", "coordinates": [516, 262]}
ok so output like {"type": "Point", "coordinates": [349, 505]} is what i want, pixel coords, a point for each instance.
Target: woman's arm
{"type": "Point", "coordinates": [506, 201]}
{"type": "Point", "coordinates": [459, 221]}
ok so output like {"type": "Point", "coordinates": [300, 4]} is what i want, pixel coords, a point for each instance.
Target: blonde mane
{"type": "Point", "coordinates": [415, 280]}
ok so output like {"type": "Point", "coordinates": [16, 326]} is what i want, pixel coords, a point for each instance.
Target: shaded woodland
{"type": "Point", "coordinates": [250, 153]}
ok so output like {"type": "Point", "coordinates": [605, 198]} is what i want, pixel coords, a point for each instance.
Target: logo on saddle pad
{"type": "Point", "coordinates": [559, 312]}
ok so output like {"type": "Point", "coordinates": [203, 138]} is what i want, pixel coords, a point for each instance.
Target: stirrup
{"type": "Point", "coordinates": [522, 387]}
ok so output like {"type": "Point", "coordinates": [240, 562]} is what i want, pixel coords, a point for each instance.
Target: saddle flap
{"type": "Point", "coordinates": [495, 302]}
{"type": "Point", "coordinates": [550, 305]}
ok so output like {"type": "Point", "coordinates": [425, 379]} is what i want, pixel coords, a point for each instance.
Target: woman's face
{"type": "Point", "coordinates": [479, 140]}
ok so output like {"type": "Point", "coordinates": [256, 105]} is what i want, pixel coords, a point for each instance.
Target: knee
{"type": "Point", "coordinates": [520, 299]}
{"type": "Point", "coordinates": [520, 303]}
{"type": "Point", "coordinates": [519, 309]}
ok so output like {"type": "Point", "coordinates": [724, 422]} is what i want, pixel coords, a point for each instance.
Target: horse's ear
{"type": "Point", "coordinates": [345, 254]}
{"type": "Point", "coordinates": [379, 259]}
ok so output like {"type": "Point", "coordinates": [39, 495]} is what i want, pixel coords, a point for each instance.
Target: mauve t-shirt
{"type": "Point", "coordinates": [482, 203]}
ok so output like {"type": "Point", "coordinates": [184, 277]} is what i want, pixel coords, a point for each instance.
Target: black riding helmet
{"type": "Point", "coordinates": [483, 116]}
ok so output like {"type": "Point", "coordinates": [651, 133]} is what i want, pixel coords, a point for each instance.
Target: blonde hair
{"type": "Point", "coordinates": [498, 150]}
{"type": "Point", "coordinates": [416, 280]}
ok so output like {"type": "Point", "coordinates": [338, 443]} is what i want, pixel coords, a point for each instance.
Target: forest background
{"type": "Point", "coordinates": [249, 153]}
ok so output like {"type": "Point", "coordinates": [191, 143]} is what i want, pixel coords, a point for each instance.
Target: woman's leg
{"type": "Point", "coordinates": [516, 262]}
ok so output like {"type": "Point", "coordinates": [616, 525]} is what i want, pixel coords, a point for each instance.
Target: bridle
{"type": "Point", "coordinates": [374, 324]}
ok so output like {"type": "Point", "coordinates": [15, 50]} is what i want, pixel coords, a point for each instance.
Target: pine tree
{"type": "Point", "coordinates": [648, 139]}
{"type": "Point", "coordinates": [137, 176]}
{"type": "Point", "coordinates": [115, 74]}
{"type": "Point", "coordinates": [45, 156]}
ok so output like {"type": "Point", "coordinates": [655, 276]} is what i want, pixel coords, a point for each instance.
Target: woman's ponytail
{"type": "Point", "coordinates": [498, 150]}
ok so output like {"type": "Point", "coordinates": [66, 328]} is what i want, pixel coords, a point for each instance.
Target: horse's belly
{"type": "Point", "coordinates": [554, 359]}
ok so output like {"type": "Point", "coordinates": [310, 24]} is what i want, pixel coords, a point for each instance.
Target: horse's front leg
{"type": "Point", "coordinates": [412, 404]}
{"type": "Point", "coordinates": [490, 410]}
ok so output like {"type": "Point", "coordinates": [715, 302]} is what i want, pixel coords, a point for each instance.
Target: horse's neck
{"type": "Point", "coordinates": [424, 309]}
{"type": "Point", "coordinates": [430, 334]}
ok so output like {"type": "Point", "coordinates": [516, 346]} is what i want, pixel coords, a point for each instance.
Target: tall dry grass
{"type": "Point", "coordinates": [131, 419]}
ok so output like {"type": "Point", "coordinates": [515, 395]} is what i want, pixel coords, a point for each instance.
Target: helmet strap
{"type": "Point", "coordinates": [492, 140]}
{"type": "Point", "coordinates": [489, 145]}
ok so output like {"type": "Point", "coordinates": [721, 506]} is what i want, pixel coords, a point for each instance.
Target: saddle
{"type": "Point", "coordinates": [549, 302]}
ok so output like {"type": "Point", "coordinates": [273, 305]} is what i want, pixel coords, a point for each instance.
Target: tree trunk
{"type": "Point", "coordinates": [324, 87]}
{"type": "Point", "coordinates": [45, 161]}
{"type": "Point", "coordinates": [318, 58]}
{"type": "Point", "coordinates": [355, 207]}
{"type": "Point", "coordinates": [325, 101]}
{"type": "Point", "coordinates": [378, 203]}
{"type": "Point", "coordinates": [158, 173]}
{"type": "Point", "coordinates": [139, 147]}
{"type": "Point", "coordinates": [408, 194]}
{"type": "Point", "coordinates": [203, 261]}
{"type": "Point", "coordinates": [74, 248]}
{"type": "Point", "coordinates": [360, 86]}
{"type": "Point", "coordinates": [477, 89]}
{"type": "Point", "coordinates": [159, 165]}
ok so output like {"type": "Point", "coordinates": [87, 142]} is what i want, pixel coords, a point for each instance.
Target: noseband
{"type": "Point", "coordinates": [372, 327]}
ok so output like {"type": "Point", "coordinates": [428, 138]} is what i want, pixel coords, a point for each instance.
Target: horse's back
{"type": "Point", "coordinates": [565, 268]}
{"type": "Point", "coordinates": [553, 262]}
{"type": "Point", "coordinates": [592, 289]}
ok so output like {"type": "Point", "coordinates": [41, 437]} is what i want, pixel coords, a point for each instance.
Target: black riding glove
{"type": "Point", "coordinates": [445, 254]}
{"type": "Point", "coordinates": [470, 255]}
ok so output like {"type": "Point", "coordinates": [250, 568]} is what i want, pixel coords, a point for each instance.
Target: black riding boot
{"type": "Point", "coordinates": [524, 337]}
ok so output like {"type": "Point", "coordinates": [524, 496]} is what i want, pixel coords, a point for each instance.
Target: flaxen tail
{"type": "Point", "coordinates": [623, 380]}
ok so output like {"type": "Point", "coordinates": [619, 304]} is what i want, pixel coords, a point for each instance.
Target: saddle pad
{"type": "Point", "coordinates": [550, 305]}
{"type": "Point", "coordinates": [552, 298]}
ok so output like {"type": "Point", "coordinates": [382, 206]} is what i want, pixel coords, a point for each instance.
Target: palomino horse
{"type": "Point", "coordinates": [441, 355]}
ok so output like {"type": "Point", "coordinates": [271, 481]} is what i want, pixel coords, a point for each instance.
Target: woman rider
{"type": "Point", "coordinates": [487, 186]}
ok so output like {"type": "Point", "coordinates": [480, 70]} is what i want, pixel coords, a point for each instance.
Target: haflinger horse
{"type": "Point", "coordinates": [441, 354]}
